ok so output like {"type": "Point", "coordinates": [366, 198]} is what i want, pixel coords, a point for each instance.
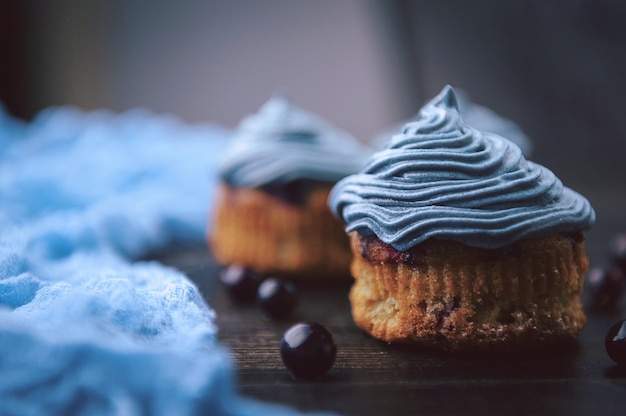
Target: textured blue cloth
{"type": "Point", "coordinates": [84, 330]}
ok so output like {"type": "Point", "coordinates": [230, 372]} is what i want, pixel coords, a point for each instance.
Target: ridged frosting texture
{"type": "Point", "coordinates": [282, 143]}
{"type": "Point", "coordinates": [477, 116]}
{"type": "Point", "coordinates": [441, 178]}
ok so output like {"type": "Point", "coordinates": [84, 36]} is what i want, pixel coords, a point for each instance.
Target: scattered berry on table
{"type": "Point", "coordinates": [615, 342]}
{"type": "Point", "coordinates": [277, 297]}
{"type": "Point", "coordinates": [241, 282]}
{"type": "Point", "coordinates": [605, 287]}
{"type": "Point", "coordinates": [617, 251]}
{"type": "Point", "coordinates": [308, 350]}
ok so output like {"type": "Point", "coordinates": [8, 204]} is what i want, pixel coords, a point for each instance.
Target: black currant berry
{"type": "Point", "coordinates": [604, 287]}
{"type": "Point", "coordinates": [293, 193]}
{"type": "Point", "coordinates": [308, 350]}
{"type": "Point", "coordinates": [241, 282]}
{"type": "Point", "coordinates": [277, 297]}
{"type": "Point", "coordinates": [615, 342]}
{"type": "Point", "coordinates": [617, 251]}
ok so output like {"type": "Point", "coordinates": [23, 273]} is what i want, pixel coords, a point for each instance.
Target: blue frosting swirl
{"type": "Point", "coordinates": [282, 143]}
{"type": "Point", "coordinates": [441, 178]}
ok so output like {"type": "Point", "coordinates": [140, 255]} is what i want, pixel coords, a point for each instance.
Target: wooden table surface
{"type": "Point", "coordinates": [373, 378]}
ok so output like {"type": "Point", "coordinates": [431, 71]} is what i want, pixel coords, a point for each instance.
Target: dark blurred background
{"type": "Point", "coordinates": [557, 68]}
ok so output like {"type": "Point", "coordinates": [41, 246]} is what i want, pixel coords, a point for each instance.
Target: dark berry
{"type": "Point", "coordinates": [615, 342]}
{"type": "Point", "coordinates": [617, 251]}
{"type": "Point", "coordinates": [308, 350]}
{"type": "Point", "coordinates": [295, 192]}
{"type": "Point", "coordinates": [241, 282]}
{"type": "Point", "coordinates": [374, 249]}
{"type": "Point", "coordinates": [277, 297]}
{"type": "Point", "coordinates": [604, 287]}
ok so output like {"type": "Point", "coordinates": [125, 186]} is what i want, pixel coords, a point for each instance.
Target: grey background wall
{"type": "Point", "coordinates": [214, 60]}
{"type": "Point", "coordinates": [556, 68]}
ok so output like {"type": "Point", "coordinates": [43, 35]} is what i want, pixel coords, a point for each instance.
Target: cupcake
{"type": "Point", "coordinates": [459, 242]}
{"type": "Point", "coordinates": [271, 212]}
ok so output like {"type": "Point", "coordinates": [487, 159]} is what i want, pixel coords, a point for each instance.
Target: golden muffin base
{"type": "Point", "coordinates": [254, 229]}
{"type": "Point", "coordinates": [454, 297]}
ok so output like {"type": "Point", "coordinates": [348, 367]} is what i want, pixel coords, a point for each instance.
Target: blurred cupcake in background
{"type": "Point", "coordinates": [271, 213]}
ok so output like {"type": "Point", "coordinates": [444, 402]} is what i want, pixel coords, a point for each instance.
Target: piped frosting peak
{"type": "Point", "coordinates": [440, 178]}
